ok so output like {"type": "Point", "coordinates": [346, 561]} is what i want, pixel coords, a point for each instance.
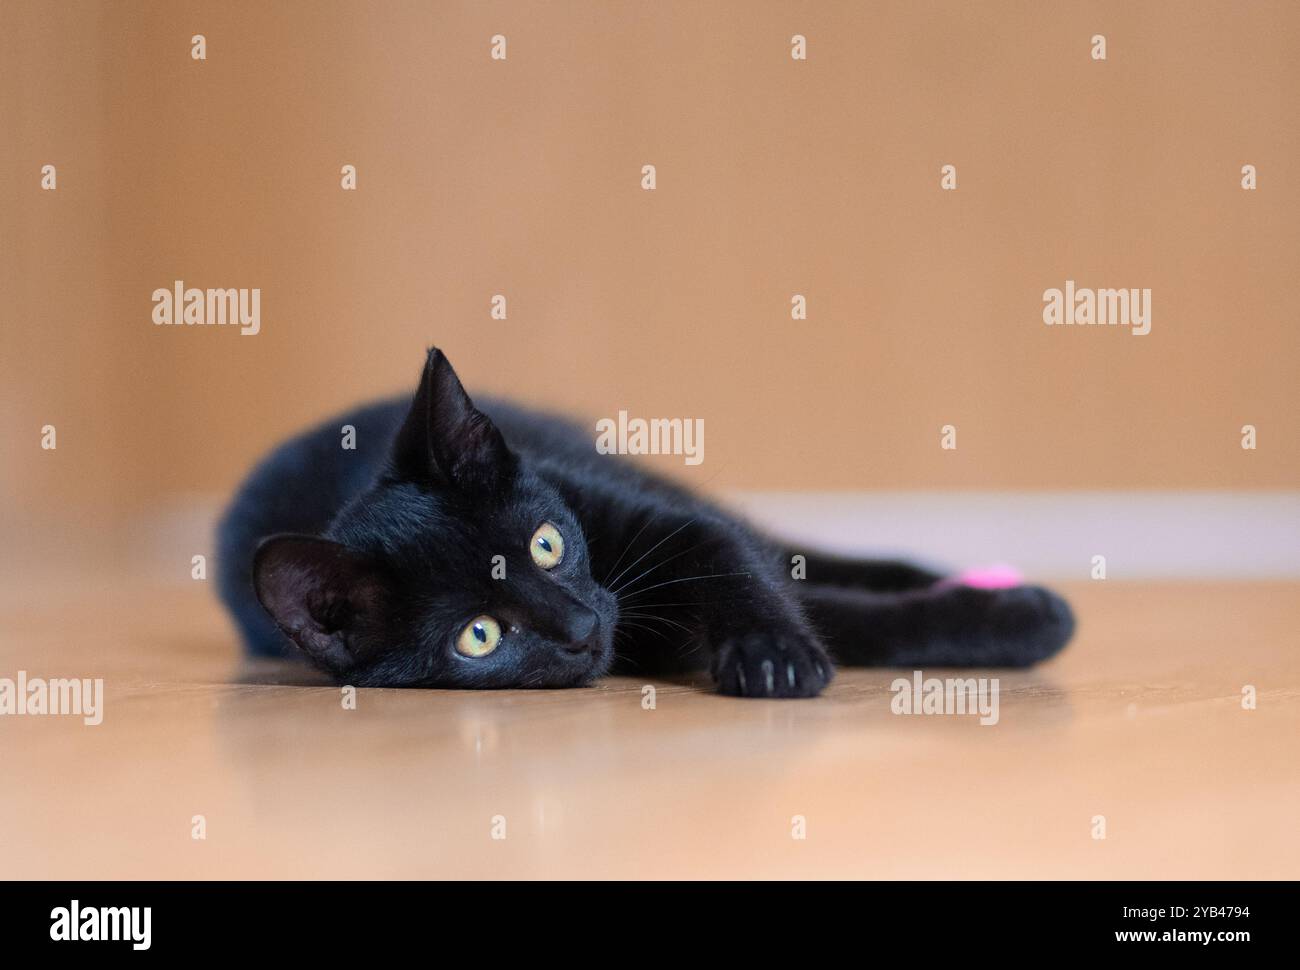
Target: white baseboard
{"type": "Point", "coordinates": [1047, 535]}
{"type": "Point", "coordinates": [1052, 535]}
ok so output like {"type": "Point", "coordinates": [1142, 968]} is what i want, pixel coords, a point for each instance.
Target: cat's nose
{"type": "Point", "coordinates": [580, 631]}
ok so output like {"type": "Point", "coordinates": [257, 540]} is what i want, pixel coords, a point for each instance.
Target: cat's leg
{"type": "Point", "coordinates": [945, 626]}
{"type": "Point", "coordinates": [726, 593]}
{"type": "Point", "coordinates": [884, 575]}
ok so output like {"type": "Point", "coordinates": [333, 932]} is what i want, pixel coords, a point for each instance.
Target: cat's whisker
{"type": "Point", "coordinates": [626, 658]}
{"type": "Point", "coordinates": [628, 548]}
{"type": "Point", "coordinates": [662, 619]}
{"type": "Point", "coordinates": [680, 628]}
{"type": "Point", "coordinates": [648, 629]}
{"type": "Point", "coordinates": [663, 562]}
{"type": "Point", "coordinates": [686, 579]}
{"type": "Point", "coordinates": [684, 525]}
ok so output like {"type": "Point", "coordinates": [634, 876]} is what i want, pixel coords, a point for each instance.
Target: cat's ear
{"type": "Point", "coordinates": [320, 594]}
{"type": "Point", "coordinates": [445, 439]}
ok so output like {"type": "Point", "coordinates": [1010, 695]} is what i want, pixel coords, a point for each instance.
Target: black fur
{"type": "Point", "coordinates": [378, 558]}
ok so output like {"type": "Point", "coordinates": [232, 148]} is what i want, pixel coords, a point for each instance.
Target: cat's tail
{"type": "Point", "coordinates": [942, 625]}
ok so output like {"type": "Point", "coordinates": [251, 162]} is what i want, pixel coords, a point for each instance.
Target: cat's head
{"type": "Point", "coordinates": [457, 568]}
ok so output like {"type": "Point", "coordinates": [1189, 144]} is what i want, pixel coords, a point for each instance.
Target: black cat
{"type": "Point", "coordinates": [459, 547]}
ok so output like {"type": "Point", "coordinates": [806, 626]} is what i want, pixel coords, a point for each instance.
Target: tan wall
{"type": "Point", "coordinates": [775, 177]}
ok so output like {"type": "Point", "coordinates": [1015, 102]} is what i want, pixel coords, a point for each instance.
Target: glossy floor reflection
{"type": "Point", "coordinates": [1141, 721]}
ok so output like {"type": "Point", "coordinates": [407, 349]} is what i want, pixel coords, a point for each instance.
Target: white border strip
{"type": "Point", "coordinates": [1054, 535]}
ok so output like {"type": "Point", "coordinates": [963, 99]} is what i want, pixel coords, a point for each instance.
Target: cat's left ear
{"type": "Point", "coordinates": [445, 439]}
{"type": "Point", "coordinates": [322, 595]}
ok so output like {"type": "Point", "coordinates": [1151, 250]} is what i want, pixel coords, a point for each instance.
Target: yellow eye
{"type": "Point", "coordinates": [480, 638]}
{"type": "Point", "coordinates": [547, 546]}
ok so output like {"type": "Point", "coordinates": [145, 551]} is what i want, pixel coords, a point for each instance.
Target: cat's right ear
{"type": "Point", "coordinates": [320, 594]}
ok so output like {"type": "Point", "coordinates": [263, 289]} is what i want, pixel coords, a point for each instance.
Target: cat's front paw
{"type": "Point", "coordinates": [771, 664]}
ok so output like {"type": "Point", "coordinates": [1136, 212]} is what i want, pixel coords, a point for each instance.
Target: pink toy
{"type": "Point", "coordinates": [996, 576]}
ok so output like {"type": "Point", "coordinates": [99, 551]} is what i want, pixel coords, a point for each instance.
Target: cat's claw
{"type": "Point", "coordinates": [767, 664]}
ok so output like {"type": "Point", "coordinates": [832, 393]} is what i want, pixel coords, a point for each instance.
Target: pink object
{"type": "Point", "coordinates": [997, 576]}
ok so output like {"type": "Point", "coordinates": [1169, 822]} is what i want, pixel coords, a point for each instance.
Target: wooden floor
{"type": "Point", "coordinates": [1140, 721]}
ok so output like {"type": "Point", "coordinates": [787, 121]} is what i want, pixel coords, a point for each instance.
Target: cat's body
{"type": "Point", "coordinates": [426, 573]}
